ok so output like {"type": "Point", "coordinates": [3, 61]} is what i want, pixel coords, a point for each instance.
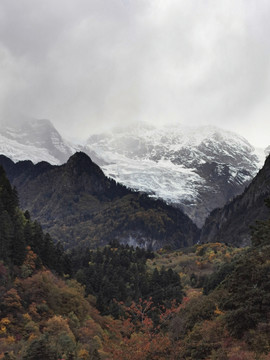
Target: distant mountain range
{"type": "Point", "coordinates": [195, 169]}
{"type": "Point", "coordinates": [78, 205]}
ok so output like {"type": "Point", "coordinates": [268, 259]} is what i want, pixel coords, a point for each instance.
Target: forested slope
{"type": "Point", "coordinates": [231, 224]}
{"type": "Point", "coordinates": [78, 205]}
{"type": "Point", "coordinates": [210, 301]}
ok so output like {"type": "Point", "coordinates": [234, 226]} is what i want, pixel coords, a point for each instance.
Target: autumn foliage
{"type": "Point", "coordinates": [222, 313]}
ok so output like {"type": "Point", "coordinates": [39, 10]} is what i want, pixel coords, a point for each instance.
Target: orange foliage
{"type": "Point", "coordinates": [136, 337]}
{"type": "Point", "coordinates": [88, 331]}
{"type": "Point", "coordinates": [57, 325]}
{"type": "Point", "coordinates": [29, 264]}
{"type": "Point", "coordinates": [12, 300]}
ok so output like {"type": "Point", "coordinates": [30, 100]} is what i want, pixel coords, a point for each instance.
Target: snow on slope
{"type": "Point", "coordinates": [197, 169]}
{"type": "Point", "coordinates": [35, 140]}
{"type": "Point", "coordinates": [17, 151]}
{"type": "Point", "coordinates": [162, 179]}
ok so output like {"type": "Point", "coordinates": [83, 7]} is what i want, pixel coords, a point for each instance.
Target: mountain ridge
{"type": "Point", "coordinates": [231, 224]}
{"type": "Point", "coordinates": [183, 166]}
{"type": "Point", "coordinates": [78, 205]}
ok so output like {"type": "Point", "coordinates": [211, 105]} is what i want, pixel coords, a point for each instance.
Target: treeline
{"type": "Point", "coordinates": [118, 273]}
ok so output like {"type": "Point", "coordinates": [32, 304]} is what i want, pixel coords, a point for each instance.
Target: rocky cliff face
{"type": "Point", "coordinates": [231, 223]}
{"type": "Point", "coordinates": [78, 205]}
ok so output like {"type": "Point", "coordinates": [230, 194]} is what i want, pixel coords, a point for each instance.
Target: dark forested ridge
{"type": "Point", "coordinates": [77, 204]}
{"type": "Point", "coordinates": [20, 237]}
{"type": "Point", "coordinates": [231, 224]}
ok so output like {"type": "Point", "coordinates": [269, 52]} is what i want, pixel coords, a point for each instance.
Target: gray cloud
{"type": "Point", "coordinates": [89, 64]}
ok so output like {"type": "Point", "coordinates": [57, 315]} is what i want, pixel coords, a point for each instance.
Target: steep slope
{"type": "Point", "coordinates": [77, 204]}
{"type": "Point", "coordinates": [38, 140]}
{"type": "Point", "coordinates": [197, 169]}
{"type": "Point", "coordinates": [34, 140]}
{"type": "Point", "coordinates": [231, 223]}
{"type": "Point", "coordinates": [19, 237]}
{"type": "Point", "coordinates": [183, 166]}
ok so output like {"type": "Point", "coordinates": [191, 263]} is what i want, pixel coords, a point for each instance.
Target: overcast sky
{"type": "Point", "coordinates": [89, 64]}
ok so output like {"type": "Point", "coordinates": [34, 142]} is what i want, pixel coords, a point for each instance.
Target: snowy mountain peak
{"type": "Point", "coordinates": [175, 134]}
{"type": "Point", "coordinates": [197, 169]}
{"type": "Point", "coordinates": [185, 145]}
{"type": "Point", "coordinates": [35, 140]}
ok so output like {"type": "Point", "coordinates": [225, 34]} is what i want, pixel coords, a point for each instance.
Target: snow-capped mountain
{"type": "Point", "coordinates": [197, 169]}
{"type": "Point", "coordinates": [34, 140]}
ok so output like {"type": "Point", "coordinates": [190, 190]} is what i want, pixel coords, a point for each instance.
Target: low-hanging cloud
{"type": "Point", "coordinates": [90, 64]}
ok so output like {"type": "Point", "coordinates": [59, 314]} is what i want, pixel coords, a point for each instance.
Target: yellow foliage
{"type": "Point", "coordinates": [3, 325]}
{"type": "Point", "coordinates": [3, 329]}
{"type": "Point", "coordinates": [104, 355]}
{"type": "Point", "coordinates": [10, 339]}
{"type": "Point", "coordinates": [218, 311]}
{"type": "Point", "coordinates": [32, 337]}
{"type": "Point", "coordinates": [83, 354]}
{"type": "Point", "coordinates": [27, 317]}
{"type": "Point", "coordinates": [12, 299]}
{"type": "Point", "coordinates": [193, 293]}
{"type": "Point", "coordinates": [98, 341]}
{"type": "Point", "coordinates": [5, 321]}
{"type": "Point", "coordinates": [211, 255]}
{"type": "Point", "coordinates": [57, 325]}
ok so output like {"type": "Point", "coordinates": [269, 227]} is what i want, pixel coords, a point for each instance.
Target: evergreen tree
{"type": "Point", "coordinates": [17, 231]}
{"type": "Point", "coordinates": [18, 245]}
{"type": "Point", "coordinates": [40, 349]}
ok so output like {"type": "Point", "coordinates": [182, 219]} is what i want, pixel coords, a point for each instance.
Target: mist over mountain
{"type": "Point", "coordinates": [35, 140]}
{"type": "Point", "coordinates": [195, 169]}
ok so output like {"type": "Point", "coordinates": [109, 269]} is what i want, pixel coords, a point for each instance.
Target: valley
{"type": "Point", "coordinates": [116, 272]}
